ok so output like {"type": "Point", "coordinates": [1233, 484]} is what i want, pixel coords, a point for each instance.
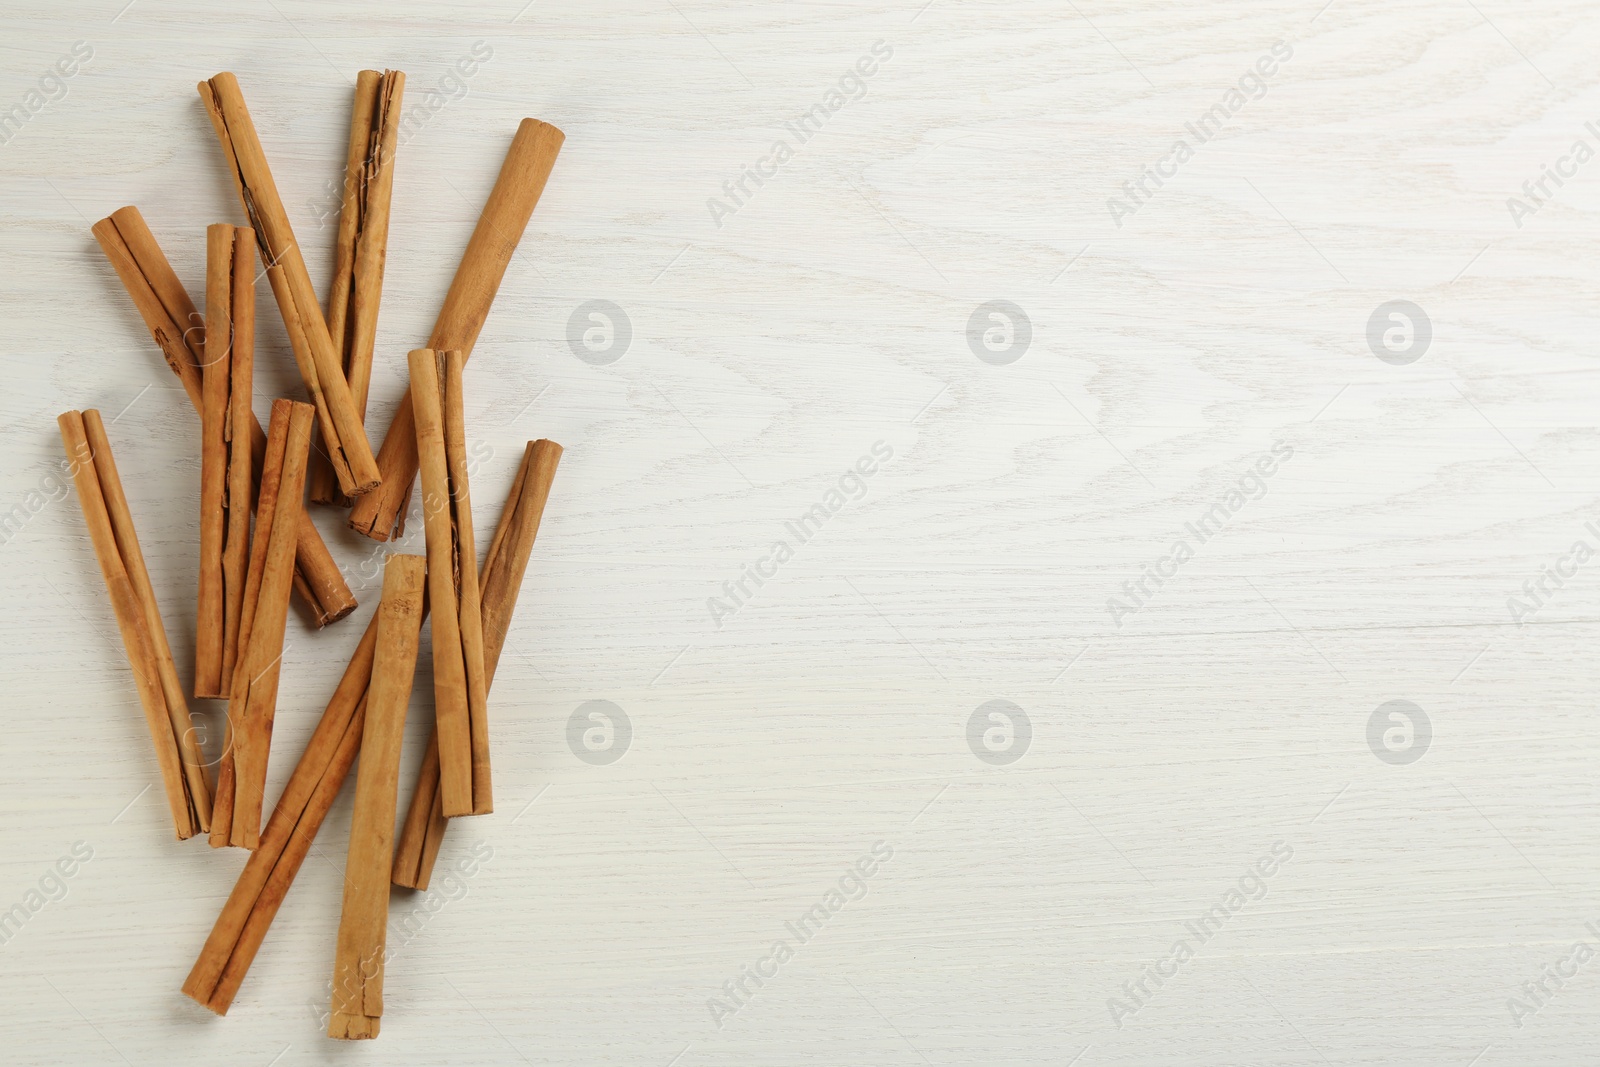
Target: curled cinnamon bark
{"type": "Point", "coordinates": [380, 514]}
{"type": "Point", "coordinates": [361, 247]}
{"type": "Point", "coordinates": [314, 350]}
{"type": "Point", "coordinates": [460, 690]}
{"type": "Point", "coordinates": [364, 916]}
{"type": "Point", "coordinates": [179, 332]}
{"type": "Point", "coordinates": [224, 455]}
{"type": "Point", "coordinates": [116, 547]}
{"type": "Point", "coordinates": [253, 699]}
{"type": "Point", "coordinates": [503, 569]}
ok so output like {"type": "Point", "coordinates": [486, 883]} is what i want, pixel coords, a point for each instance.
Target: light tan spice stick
{"type": "Point", "coordinates": [314, 350]}
{"type": "Point", "coordinates": [251, 906]}
{"type": "Point", "coordinates": [224, 455]}
{"type": "Point", "coordinates": [252, 703]}
{"type": "Point", "coordinates": [503, 569]}
{"type": "Point", "coordinates": [242, 926]}
{"type": "Point", "coordinates": [516, 191]}
{"type": "Point", "coordinates": [364, 918]}
{"type": "Point", "coordinates": [460, 694]}
{"type": "Point", "coordinates": [116, 547]}
{"type": "Point", "coordinates": [361, 247]}
{"type": "Point", "coordinates": [179, 332]}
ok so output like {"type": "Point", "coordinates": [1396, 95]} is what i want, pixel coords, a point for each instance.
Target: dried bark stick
{"type": "Point", "coordinates": [269, 872]}
{"type": "Point", "coordinates": [503, 568]}
{"type": "Point", "coordinates": [224, 455]}
{"type": "Point", "coordinates": [460, 692]}
{"type": "Point", "coordinates": [166, 712]}
{"type": "Point", "coordinates": [361, 247]}
{"type": "Point", "coordinates": [252, 702]}
{"type": "Point", "coordinates": [242, 925]}
{"type": "Point", "coordinates": [494, 240]}
{"type": "Point", "coordinates": [179, 332]}
{"type": "Point", "coordinates": [364, 917]}
{"type": "Point", "coordinates": [314, 350]}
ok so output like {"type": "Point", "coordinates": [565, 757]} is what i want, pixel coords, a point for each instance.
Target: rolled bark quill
{"type": "Point", "coordinates": [503, 568]}
{"type": "Point", "coordinates": [252, 702]}
{"type": "Point", "coordinates": [314, 350]}
{"type": "Point", "coordinates": [224, 455]}
{"type": "Point", "coordinates": [178, 331]}
{"type": "Point", "coordinates": [166, 712]}
{"type": "Point", "coordinates": [364, 917]}
{"type": "Point", "coordinates": [505, 216]}
{"type": "Point", "coordinates": [242, 926]}
{"type": "Point", "coordinates": [362, 243]}
{"type": "Point", "coordinates": [460, 691]}
{"type": "Point", "coordinates": [269, 872]}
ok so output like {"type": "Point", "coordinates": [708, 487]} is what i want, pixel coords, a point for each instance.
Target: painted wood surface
{"type": "Point", "coordinates": [797, 219]}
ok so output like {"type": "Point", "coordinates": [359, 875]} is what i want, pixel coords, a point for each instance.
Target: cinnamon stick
{"type": "Point", "coordinates": [242, 926]}
{"type": "Point", "coordinates": [363, 919]}
{"type": "Point", "coordinates": [503, 568]}
{"type": "Point", "coordinates": [380, 514]}
{"type": "Point", "coordinates": [224, 455]}
{"type": "Point", "coordinates": [179, 331]}
{"type": "Point", "coordinates": [269, 872]}
{"type": "Point", "coordinates": [460, 693]}
{"type": "Point", "coordinates": [116, 547]}
{"type": "Point", "coordinates": [314, 351]}
{"type": "Point", "coordinates": [252, 702]}
{"type": "Point", "coordinates": [361, 246]}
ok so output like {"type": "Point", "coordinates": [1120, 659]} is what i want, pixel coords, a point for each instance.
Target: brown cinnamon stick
{"type": "Point", "coordinates": [116, 546]}
{"type": "Point", "coordinates": [363, 919]}
{"type": "Point", "coordinates": [269, 872]}
{"type": "Point", "coordinates": [314, 350]}
{"type": "Point", "coordinates": [179, 332]}
{"type": "Point", "coordinates": [503, 568]}
{"type": "Point", "coordinates": [505, 216]}
{"type": "Point", "coordinates": [252, 702]}
{"type": "Point", "coordinates": [460, 692]}
{"type": "Point", "coordinates": [224, 455]}
{"type": "Point", "coordinates": [242, 926]}
{"type": "Point", "coordinates": [361, 246]}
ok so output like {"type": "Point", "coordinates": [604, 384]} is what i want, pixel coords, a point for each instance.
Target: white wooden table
{"type": "Point", "coordinates": [1155, 343]}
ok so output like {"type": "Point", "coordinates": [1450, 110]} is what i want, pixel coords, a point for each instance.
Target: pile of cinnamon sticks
{"type": "Point", "coordinates": [257, 542]}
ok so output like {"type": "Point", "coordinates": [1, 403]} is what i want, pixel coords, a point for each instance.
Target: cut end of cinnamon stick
{"type": "Point", "coordinates": [348, 1027]}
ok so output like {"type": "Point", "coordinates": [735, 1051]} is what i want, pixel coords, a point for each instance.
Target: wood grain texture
{"type": "Point", "coordinates": [590, 919]}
